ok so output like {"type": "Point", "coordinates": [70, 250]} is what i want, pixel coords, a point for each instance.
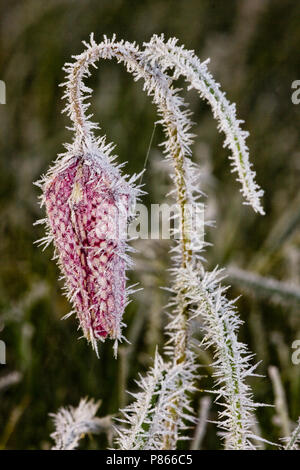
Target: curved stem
{"type": "Point", "coordinates": [185, 63]}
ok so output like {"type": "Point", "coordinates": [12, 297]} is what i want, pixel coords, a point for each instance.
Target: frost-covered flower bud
{"type": "Point", "coordinates": [88, 204]}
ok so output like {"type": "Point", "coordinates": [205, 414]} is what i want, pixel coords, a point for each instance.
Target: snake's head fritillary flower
{"type": "Point", "coordinates": [88, 204]}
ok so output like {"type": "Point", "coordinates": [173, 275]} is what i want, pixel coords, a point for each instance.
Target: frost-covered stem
{"type": "Point", "coordinates": [185, 63]}
{"type": "Point", "coordinates": [182, 199]}
{"type": "Point", "coordinates": [75, 99]}
{"type": "Point", "coordinates": [232, 359]}
{"type": "Point", "coordinates": [145, 417]}
{"type": "Point", "coordinates": [186, 257]}
{"type": "Point", "coordinates": [294, 439]}
{"type": "Point", "coordinates": [227, 355]}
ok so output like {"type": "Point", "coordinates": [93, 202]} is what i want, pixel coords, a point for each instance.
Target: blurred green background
{"type": "Point", "coordinates": [254, 50]}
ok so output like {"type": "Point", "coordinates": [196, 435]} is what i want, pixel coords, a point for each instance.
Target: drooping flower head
{"type": "Point", "coordinates": [88, 203]}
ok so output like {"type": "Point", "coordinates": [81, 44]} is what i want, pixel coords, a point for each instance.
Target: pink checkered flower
{"type": "Point", "coordinates": [88, 204]}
